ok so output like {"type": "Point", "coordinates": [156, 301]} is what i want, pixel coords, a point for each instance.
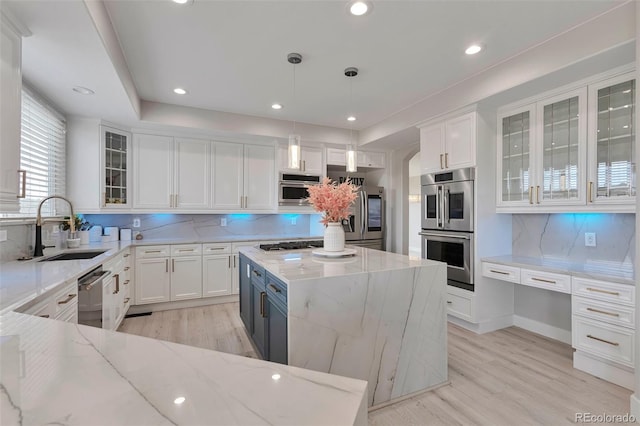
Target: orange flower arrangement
{"type": "Point", "coordinates": [332, 200]}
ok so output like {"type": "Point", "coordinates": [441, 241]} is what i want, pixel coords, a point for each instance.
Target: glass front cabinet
{"type": "Point", "coordinates": [612, 147]}
{"type": "Point", "coordinates": [116, 161]}
{"type": "Point", "coordinates": [574, 151]}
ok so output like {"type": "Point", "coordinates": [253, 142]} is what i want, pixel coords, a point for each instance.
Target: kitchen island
{"type": "Point", "coordinates": [377, 316]}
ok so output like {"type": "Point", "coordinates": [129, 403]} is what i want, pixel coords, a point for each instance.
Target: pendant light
{"type": "Point", "coordinates": [294, 139]}
{"type": "Point", "coordinates": [351, 154]}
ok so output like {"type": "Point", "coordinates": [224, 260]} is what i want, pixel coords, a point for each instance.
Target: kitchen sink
{"type": "Point", "coordinates": [75, 255]}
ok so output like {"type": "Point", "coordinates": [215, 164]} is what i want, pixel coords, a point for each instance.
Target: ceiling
{"type": "Point", "coordinates": [231, 55]}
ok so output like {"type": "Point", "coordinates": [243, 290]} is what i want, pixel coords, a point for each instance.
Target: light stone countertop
{"type": "Point", "coordinates": [25, 283]}
{"type": "Point", "coordinates": [60, 373]}
{"type": "Point", "coordinates": [293, 265]}
{"type": "Point", "coordinates": [614, 272]}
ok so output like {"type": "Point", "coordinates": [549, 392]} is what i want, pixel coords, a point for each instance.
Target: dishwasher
{"type": "Point", "coordinates": [90, 291]}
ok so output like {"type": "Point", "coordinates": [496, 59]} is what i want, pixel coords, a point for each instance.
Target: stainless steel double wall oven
{"type": "Point", "coordinates": [447, 223]}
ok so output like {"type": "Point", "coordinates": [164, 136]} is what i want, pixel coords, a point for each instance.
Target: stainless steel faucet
{"type": "Point", "coordinates": [37, 252]}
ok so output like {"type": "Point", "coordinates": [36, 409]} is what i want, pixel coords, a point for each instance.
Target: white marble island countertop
{"type": "Point", "coordinates": [59, 373]}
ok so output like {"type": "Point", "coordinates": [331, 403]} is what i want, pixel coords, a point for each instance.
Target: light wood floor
{"type": "Point", "coordinates": [508, 377]}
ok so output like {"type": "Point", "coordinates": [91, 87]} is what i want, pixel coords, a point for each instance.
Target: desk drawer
{"type": "Point", "coordinates": [605, 291]}
{"type": "Point", "coordinates": [546, 280]}
{"type": "Point", "coordinates": [607, 341]}
{"type": "Point", "coordinates": [603, 311]}
{"type": "Point", "coordinates": [501, 272]}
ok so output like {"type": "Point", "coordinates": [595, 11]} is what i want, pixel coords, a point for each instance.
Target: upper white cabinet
{"type": "Point", "coordinates": [449, 144]}
{"type": "Point", "coordinates": [243, 177]}
{"type": "Point", "coordinates": [115, 167]}
{"type": "Point", "coordinates": [153, 171]}
{"type": "Point", "coordinates": [11, 95]}
{"type": "Point", "coordinates": [311, 160]}
{"type": "Point", "coordinates": [572, 151]}
{"type": "Point", "coordinates": [370, 159]}
{"type": "Point", "coordinates": [612, 141]}
{"type": "Point", "coordinates": [171, 173]}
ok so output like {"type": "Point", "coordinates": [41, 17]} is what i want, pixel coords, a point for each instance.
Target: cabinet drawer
{"type": "Point", "coordinates": [186, 250]}
{"type": "Point", "coordinates": [147, 252]}
{"type": "Point", "coordinates": [276, 289]}
{"type": "Point", "coordinates": [458, 306]}
{"type": "Point", "coordinates": [42, 309]}
{"type": "Point", "coordinates": [547, 280]}
{"type": "Point", "coordinates": [65, 299]}
{"type": "Point", "coordinates": [216, 248]}
{"type": "Point", "coordinates": [603, 311]}
{"type": "Point", "coordinates": [605, 291]}
{"type": "Point", "coordinates": [114, 265]}
{"type": "Point", "coordinates": [501, 272]}
{"type": "Point", "coordinates": [605, 340]}
{"type": "Point", "coordinates": [257, 272]}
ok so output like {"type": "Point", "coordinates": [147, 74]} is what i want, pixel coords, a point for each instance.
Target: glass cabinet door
{"type": "Point", "coordinates": [515, 150]}
{"type": "Point", "coordinates": [116, 159]}
{"type": "Point", "coordinates": [562, 151]}
{"type": "Point", "coordinates": [615, 143]}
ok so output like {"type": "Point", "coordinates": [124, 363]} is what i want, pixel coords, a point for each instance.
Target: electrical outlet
{"type": "Point", "coordinates": [590, 239]}
{"type": "Point", "coordinates": [223, 221]}
{"type": "Point", "coordinates": [294, 220]}
{"type": "Point", "coordinates": [136, 222]}
{"type": "Point", "coordinates": [3, 235]}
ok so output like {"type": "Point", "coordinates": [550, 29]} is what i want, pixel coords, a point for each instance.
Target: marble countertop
{"type": "Point", "coordinates": [60, 373]}
{"type": "Point", "coordinates": [590, 269]}
{"type": "Point", "coordinates": [24, 283]}
{"type": "Point", "coordinates": [302, 264]}
{"type": "Point", "coordinates": [225, 239]}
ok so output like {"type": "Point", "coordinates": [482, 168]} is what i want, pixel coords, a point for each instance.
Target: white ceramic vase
{"type": "Point", "coordinates": [334, 237]}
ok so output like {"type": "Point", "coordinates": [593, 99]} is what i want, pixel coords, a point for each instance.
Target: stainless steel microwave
{"type": "Point", "coordinates": [292, 189]}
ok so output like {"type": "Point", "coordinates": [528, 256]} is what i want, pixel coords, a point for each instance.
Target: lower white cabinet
{"type": "Point", "coordinates": [216, 275]}
{"type": "Point", "coordinates": [152, 280]}
{"type": "Point", "coordinates": [62, 306]}
{"type": "Point", "coordinates": [460, 303]}
{"type": "Point", "coordinates": [186, 277]}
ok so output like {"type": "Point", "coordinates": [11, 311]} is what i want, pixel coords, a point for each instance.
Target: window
{"type": "Point", "coordinates": [42, 154]}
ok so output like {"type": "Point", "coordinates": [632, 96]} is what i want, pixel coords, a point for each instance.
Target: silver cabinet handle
{"type": "Point", "coordinates": [441, 161]}
{"type": "Point", "coordinates": [185, 249]}
{"type": "Point", "coordinates": [543, 280]}
{"type": "Point", "coordinates": [498, 272]}
{"type": "Point", "coordinates": [229, 262]}
{"type": "Point", "coordinates": [590, 192]}
{"type": "Point", "coordinates": [215, 248]}
{"type": "Point", "coordinates": [449, 302]}
{"type": "Point", "coordinates": [153, 251]}
{"type": "Point", "coordinates": [538, 194]}
{"type": "Point", "coordinates": [274, 288]}
{"type": "Point", "coordinates": [531, 195]}
{"type": "Point", "coordinates": [173, 265]}
{"type": "Point", "coordinates": [597, 290]}
{"type": "Point", "coordinates": [23, 190]}
{"type": "Point", "coordinates": [234, 261]}
{"type": "Point", "coordinates": [446, 160]}
{"type": "Point", "coordinates": [166, 265]}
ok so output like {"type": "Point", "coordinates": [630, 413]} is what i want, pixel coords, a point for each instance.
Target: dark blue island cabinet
{"type": "Point", "coordinates": [263, 309]}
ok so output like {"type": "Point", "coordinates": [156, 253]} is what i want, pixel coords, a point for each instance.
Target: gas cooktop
{"type": "Point", "coordinates": [292, 245]}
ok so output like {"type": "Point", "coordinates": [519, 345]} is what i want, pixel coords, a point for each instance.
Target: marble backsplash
{"type": "Point", "coordinates": [21, 237]}
{"type": "Point", "coordinates": [561, 236]}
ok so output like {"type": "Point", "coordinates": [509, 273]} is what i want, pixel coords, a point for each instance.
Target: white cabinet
{"type": "Point", "coordinates": [368, 159]}
{"type": "Point", "coordinates": [171, 173]}
{"type": "Point", "coordinates": [11, 95]}
{"type": "Point", "coordinates": [216, 274]}
{"type": "Point", "coordinates": [243, 177]}
{"type": "Point", "coordinates": [153, 171]}
{"type": "Point", "coordinates": [115, 167]}
{"type": "Point", "coordinates": [153, 282]}
{"type": "Point", "coordinates": [186, 277]}
{"type": "Point", "coordinates": [612, 142]}
{"type": "Point", "coordinates": [62, 306]}
{"type": "Point", "coordinates": [192, 183]}
{"type": "Point", "coordinates": [449, 144]}
{"type": "Point", "coordinates": [311, 160]}
{"type": "Point", "coordinates": [603, 329]}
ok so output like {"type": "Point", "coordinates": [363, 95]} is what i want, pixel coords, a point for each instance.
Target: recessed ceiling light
{"type": "Point", "coordinates": [351, 118]}
{"type": "Point", "coordinates": [359, 8]}
{"type": "Point", "coordinates": [276, 106]}
{"type": "Point", "coordinates": [181, 1]}
{"type": "Point", "coordinates": [83, 90]}
{"type": "Point", "coordinates": [473, 49]}
{"type": "Point", "coordinates": [179, 400]}
{"type": "Point", "coordinates": [179, 91]}
{"type": "Point", "coordinates": [276, 377]}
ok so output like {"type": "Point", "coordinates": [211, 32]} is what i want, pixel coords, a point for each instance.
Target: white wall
{"type": "Point", "coordinates": [397, 193]}
{"type": "Point", "coordinates": [415, 241]}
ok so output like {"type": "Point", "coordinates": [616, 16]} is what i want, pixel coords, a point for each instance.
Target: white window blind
{"type": "Point", "coordinates": [42, 153]}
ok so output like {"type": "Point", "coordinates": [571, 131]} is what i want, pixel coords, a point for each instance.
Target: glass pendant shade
{"type": "Point", "coordinates": [294, 152]}
{"type": "Point", "coordinates": [351, 159]}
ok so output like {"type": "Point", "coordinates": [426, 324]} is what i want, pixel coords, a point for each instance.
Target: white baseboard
{"type": "Point", "coordinates": [634, 405]}
{"type": "Point", "coordinates": [166, 306]}
{"type": "Point", "coordinates": [485, 326]}
{"type": "Point", "coordinates": [607, 370]}
{"type": "Point", "coordinates": [546, 330]}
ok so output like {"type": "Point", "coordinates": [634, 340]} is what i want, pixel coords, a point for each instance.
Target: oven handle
{"type": "Point", "coordinates": [459, 237]}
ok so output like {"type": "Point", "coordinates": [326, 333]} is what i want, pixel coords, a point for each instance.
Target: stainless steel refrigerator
{"type": "Point", "coordinates": [366, 225]}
